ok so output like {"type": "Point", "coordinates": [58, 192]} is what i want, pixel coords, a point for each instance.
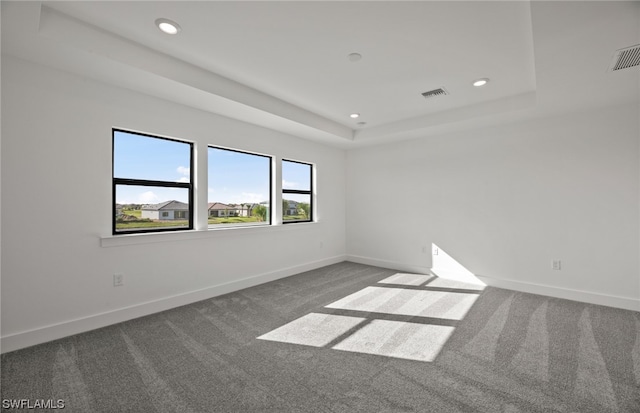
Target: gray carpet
{"type": "Point", "coordinates": [346, 338]}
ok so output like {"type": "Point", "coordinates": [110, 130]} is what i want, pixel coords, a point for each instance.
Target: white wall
{"type": "Point", "coordinates": [505, 201]}
{"type": "Point", "coordinates": [57, 276]}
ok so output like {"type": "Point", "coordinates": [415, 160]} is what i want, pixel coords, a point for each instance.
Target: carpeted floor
{"type": "Point", "coordinates": [346, 338]}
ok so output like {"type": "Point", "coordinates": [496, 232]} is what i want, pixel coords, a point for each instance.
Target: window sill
{"type": "Point", "coordinates": [172, 236]}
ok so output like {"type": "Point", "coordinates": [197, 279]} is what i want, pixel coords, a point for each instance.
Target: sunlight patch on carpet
{"type": "Point", "coordinates": [406, 279]}
{"type": "Point", "coordinates": [313, 329]}
{"type": "Point", "coordinates": [412, 322]}
{"type": "Point", "coordinates": [397, 339]}
{"type": "Point", "coordinates": [436, 304]}
{"type": "Point", "coordinates": [455, 284]}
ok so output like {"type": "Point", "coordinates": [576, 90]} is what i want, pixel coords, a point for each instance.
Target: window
{"type": "Point", "coordinates": [152, 183]}
{"type": "Point", "coordinates": [297, 196]}
{"type": "Point", "coordinates": [239, 192]}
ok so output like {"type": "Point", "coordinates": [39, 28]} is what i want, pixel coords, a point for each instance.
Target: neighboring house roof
{"type": "Point", "coordinates": [219, 206]}
{"type": "Point", "coordinates": [165, 206]}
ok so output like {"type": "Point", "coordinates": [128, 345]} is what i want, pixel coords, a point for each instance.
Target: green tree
{"type": "Point", "coordinates": [305, 209]}
{"type": "Point", "coordinates": [261, 212]}
{"type": "Point", "coordinates": [285, 207]}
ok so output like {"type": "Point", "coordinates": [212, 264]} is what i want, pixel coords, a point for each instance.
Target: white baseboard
{"type": "Point", "coordinates": [625, 303]}
{"type": "Point", "coordinates": [40, 335]}
{"type": "Point", "coordinates": [392, 265]}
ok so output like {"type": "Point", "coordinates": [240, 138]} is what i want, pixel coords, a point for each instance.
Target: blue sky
{"type": "Point", "coordinates": [295, 176]}
{"type": "Point", "coordinates": [141, 157]}
{"type": "Point", "coordinates": [233, 177]}
{"type": "Point", "coordinates": [236, 178]}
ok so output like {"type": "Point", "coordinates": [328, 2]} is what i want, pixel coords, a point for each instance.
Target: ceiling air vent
{"type": "Point", "coordinates": [435, 92]}
{"type": "Point", "coordinates": [625, 58]}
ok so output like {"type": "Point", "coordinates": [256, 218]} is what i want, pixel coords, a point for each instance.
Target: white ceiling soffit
{"type": "Point", "coordinates": [285, 65]}
{"type": "Point", "coordinates": [463, 118]}
{"type": "Point", "coordinates": [167, 77]}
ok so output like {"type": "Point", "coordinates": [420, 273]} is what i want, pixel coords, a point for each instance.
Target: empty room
{"type": "Point", "coordinates": [320, 206]}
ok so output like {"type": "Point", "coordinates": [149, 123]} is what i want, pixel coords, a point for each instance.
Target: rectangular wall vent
{"type": "Point", "coordinates": [435, 92]}
{"type": "Point", "coordinates": [626, 58]}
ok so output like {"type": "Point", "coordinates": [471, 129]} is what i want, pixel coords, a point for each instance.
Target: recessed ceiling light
{"type": "Point", "coordinates": [354, 57]}
{"type": "Point", "coordinates": [481, 82]}
{"type": "Point", "coordinates": [354, 115]}
{"type": "Point", "coordinates": [168, 26]}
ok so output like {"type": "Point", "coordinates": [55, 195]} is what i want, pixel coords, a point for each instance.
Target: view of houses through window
{"type": "Point", "coordinates": [296, 191]}
{"type": "Point", "coordinates": [153, 191]}
{"type": "Point", "coordinates": [239, 188]}
{"type": "Point", "coordinates": [152, 183]}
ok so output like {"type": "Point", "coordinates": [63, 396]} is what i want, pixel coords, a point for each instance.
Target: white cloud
{"type": "Point", "coordinates": [148, 198]}
{"type": "Point", "coordinates": [253, 198]}
{"type": "Point", "coordinates": [287, 184]}
{"type": "Point", "coordinates": [184, 179]}
{"type": "Point", "coordinates": [247, 198]}
{"type": "Point", "coordinates": [183, 170]}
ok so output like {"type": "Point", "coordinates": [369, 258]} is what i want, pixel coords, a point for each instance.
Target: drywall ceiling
{"type": "Point", "coordinates": [285, 65]}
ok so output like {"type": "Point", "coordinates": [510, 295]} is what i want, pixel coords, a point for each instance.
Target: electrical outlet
{"type": "Point", "coordinates": [118, 280]}
{"type": "Point", "coordinates": [556, 265]}
{"type": "Point", "coordinates": [321, 244]}
{"type": "Point", "coordinates": [424, 250]}
{"type": "Point", "coordinates": [435, 250]}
